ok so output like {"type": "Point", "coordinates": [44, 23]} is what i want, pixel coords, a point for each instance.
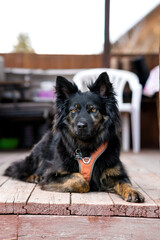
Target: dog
{"type": "Point", "coordinates": [81, 152]}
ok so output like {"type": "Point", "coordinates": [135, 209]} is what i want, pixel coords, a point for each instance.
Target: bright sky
{"type": "Point", "coordinates": [67, 26]}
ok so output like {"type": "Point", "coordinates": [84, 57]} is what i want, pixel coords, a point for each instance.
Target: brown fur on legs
{"type": "Point", "coordinates": [128, 193]}
{"type": "Point", "coordinates": [33, 178]}
{"type": "Point", "coordinates": [71, 183]}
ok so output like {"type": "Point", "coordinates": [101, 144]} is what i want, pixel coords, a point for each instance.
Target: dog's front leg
{"type": "Point", "coordinates": [74, 182]}
{"type": "Point", "coordinates": [116, 180]}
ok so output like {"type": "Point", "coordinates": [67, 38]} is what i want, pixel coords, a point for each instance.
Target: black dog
{"type": "Point", "coordinates": [81, 154]}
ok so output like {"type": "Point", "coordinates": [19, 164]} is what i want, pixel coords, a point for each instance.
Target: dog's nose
{"type": "Point", "coordinates": [81, 125]}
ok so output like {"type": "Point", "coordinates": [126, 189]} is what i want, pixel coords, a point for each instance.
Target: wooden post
{"type": "Point", "coordinates": [159, 100]}
{"type": "Point", "coordinates": [106, 52]}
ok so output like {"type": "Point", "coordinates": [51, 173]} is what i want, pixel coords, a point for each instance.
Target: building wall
{"type": "Point", "coordinates": [42, 61]}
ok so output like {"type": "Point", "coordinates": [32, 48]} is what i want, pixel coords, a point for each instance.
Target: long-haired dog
{"type": "Point", "coordinates": [82, 151]}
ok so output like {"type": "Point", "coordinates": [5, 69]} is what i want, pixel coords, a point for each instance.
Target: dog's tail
{"type": "Point", "coordinates": [20, 169]}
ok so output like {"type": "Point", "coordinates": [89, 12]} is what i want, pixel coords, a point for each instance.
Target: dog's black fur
{"type": "Point", "coordinates": [83, 121]}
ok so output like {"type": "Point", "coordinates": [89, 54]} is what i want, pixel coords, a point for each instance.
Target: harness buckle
{"type": "Point", "coordinates": [78, 154]}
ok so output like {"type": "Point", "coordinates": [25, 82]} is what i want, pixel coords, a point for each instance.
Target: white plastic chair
{"type": "Point", "coordinates": [119, 78]}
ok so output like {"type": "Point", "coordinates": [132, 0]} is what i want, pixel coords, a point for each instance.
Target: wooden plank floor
{"type": "Point", "coordinates": [28, 213]}
{"type": "Point", "coordinates": [18, 197]}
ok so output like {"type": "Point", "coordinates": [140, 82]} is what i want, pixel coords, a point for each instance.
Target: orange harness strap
{"type": "Point", "coordinates": [86, 164]}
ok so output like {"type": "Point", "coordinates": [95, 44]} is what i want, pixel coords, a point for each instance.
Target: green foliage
{"type": "Point", "coordinates": [24, 44]}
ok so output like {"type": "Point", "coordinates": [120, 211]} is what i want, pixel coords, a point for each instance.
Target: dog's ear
{"type": "Point", "coordinates": [102, 85]}
{"type": "Point", "coordinates": [64, 88]}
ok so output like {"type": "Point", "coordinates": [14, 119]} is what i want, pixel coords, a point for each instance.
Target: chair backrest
{"type": "Point", "coordinates": [119, 78]}
{"type": "Point", "coordinates": [2, 72]}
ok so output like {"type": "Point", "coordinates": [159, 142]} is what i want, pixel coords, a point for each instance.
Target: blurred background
{"type": "Point", "coordinates": [41, 39]}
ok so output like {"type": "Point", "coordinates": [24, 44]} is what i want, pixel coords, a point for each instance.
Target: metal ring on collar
{"type": "Point", "coordinates": [85, 160]}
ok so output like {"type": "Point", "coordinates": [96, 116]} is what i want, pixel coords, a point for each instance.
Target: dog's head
{"type": "Point", "coordinates": [88, 114]}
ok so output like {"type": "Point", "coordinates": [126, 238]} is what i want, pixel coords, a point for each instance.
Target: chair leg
{"type": "Point", "coordinates": [125, 132]}
{"type": "Point", "coordinates": [135, 123]}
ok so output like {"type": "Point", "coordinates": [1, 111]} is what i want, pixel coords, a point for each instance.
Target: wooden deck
{"type": "Point", "coordinates": [27, 212]}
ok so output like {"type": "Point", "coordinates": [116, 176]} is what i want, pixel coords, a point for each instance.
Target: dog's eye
{"type": "Point", "coordinates": [73, 110]}
{"type": "Point", "coordinates": [94, 110]}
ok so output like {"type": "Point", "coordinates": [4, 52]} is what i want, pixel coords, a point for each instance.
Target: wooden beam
{"type": "Point", "coordinates": [106, 52]}
{"type": "Point", "coordinates": [84, 227]}
{"type": "Point", "coordinates": [159, 100]}
{"type": "Point", "coordinates": [9, 227]}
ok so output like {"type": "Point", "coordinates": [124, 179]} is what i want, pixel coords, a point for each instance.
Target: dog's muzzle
{"type": "Point", "coordinates": [83, 130]}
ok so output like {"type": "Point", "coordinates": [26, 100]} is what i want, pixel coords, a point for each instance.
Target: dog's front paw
{"type": "Point", "coordinates": [132, 195]}
{"type": "Point", "coordinates": [34, 178]}
{"type": "Point", "coordinates": [128, 193]}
